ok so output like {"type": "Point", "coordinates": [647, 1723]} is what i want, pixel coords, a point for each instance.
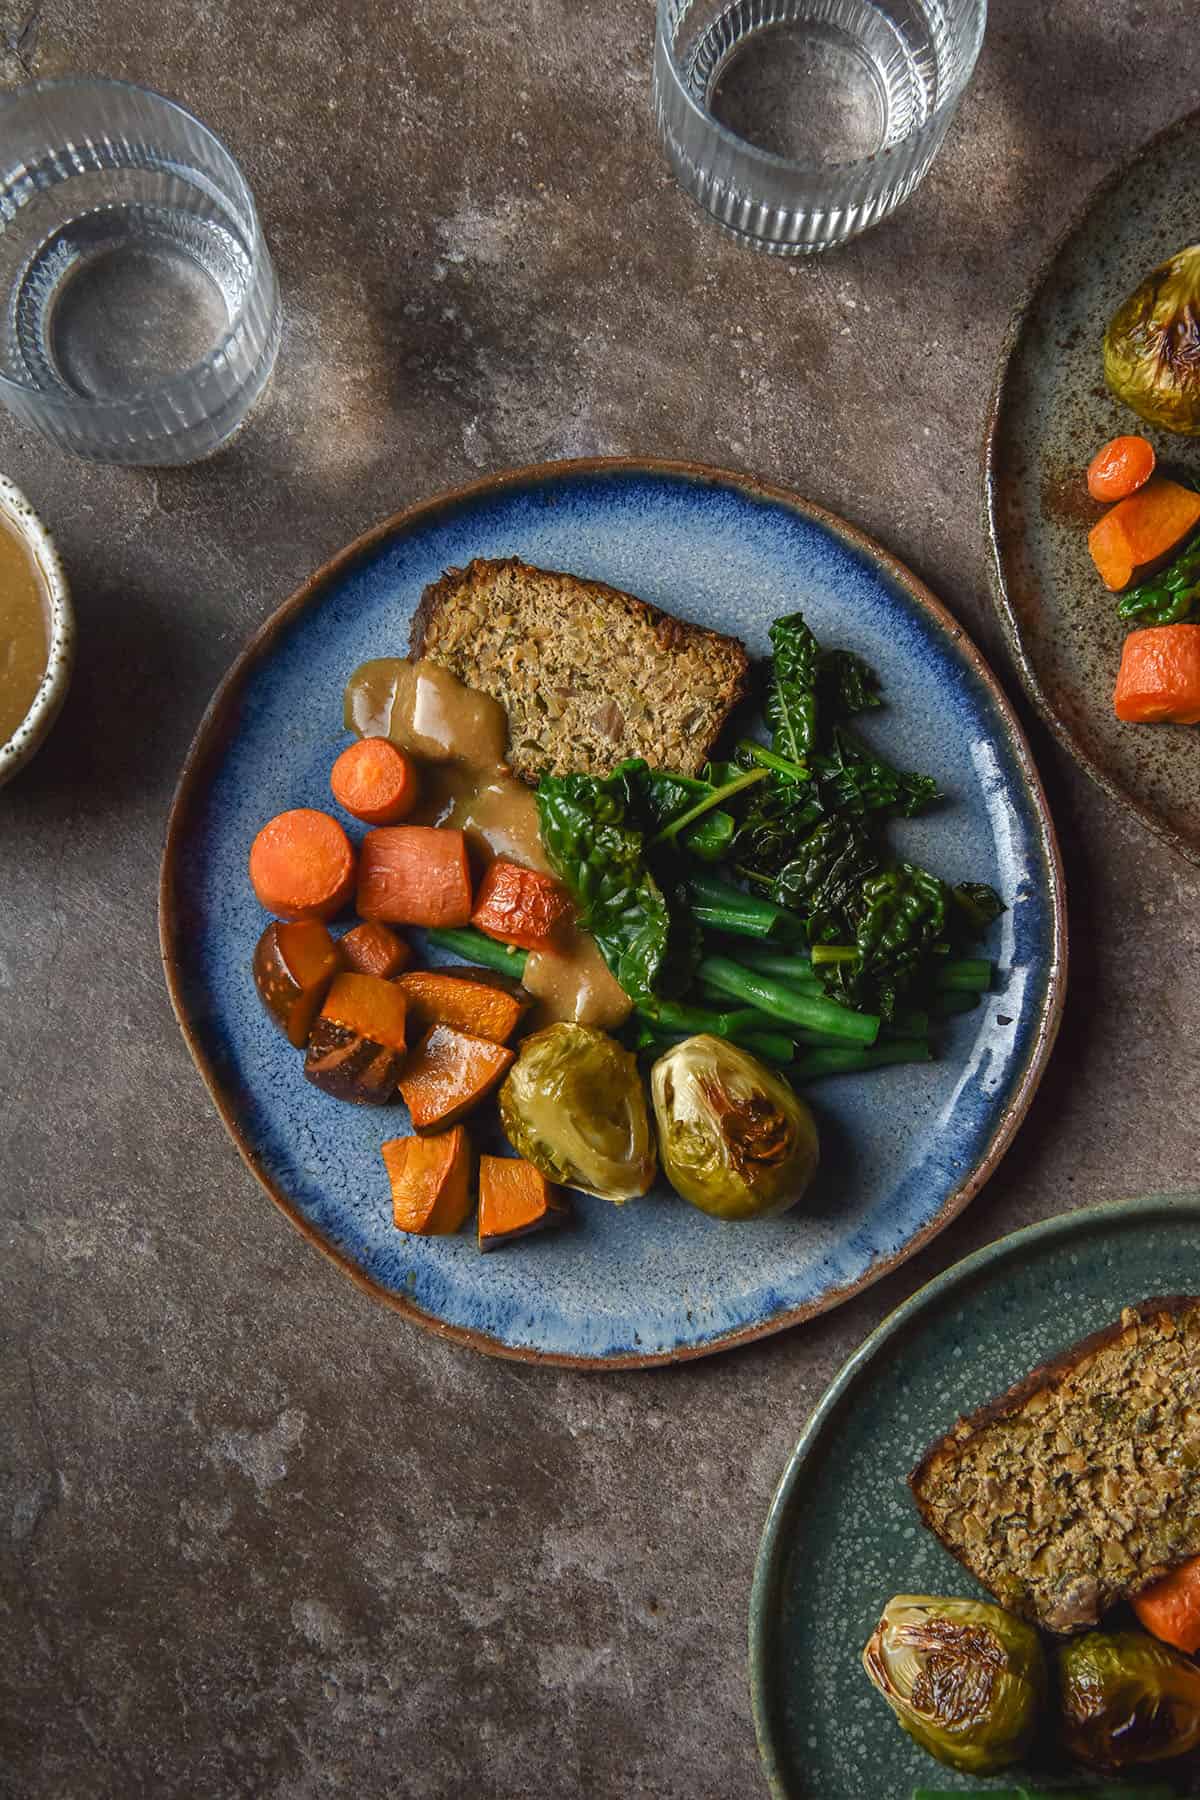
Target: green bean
{"type": "Point", "coordinates": [788, 1004]}
{"type": "Point", "coordinates": [474, 947]}
{"type": "Point", "coordinates": [854, 1060]}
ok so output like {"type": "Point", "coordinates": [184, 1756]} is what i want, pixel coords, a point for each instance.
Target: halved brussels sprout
{"type": "Point", "coordinates": [1126, 1699]}
{"type": "Point", "coordinates": [733, 1137]}
{"type": "Point", "coordinates": [1152, 345]}
{"type": "Point", "coordinates": [965, 1679]}
{"type": "Point", "coordinates": [573, 1106]}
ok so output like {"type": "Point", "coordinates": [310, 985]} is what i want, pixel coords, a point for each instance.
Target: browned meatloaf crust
{"type": "Point", "coordinates": [588, 675]}
{"type": "Point", "coordinates": [1081, 1485]}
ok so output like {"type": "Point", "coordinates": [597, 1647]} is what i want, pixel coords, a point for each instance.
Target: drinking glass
{"type": "Point", "coordinates": [140, 308]}
{"type": "Point", "coordinates": [799, 123]}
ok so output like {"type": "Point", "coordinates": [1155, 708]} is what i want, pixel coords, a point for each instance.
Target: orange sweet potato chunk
{"type": "Point", "coordinates": [447, 1074]}
{"type": "Point", "coordinates": [477, 1001]}
{"type": "Point", "coordinates": [430, 1180]}
{"type": "Point", "coordinates": [370, 1006]}
{"type": "Point", "coordinates": [514, 1199]}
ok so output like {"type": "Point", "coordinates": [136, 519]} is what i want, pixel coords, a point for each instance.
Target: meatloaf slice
{"type": "Point", "coordinates": [588, 675]}
{"type": "Point", "coordinates": [1081, 1485]}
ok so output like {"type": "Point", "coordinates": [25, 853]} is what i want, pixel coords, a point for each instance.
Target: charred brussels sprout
{"type": "Point", "coordinates": [573, 1106]}
{"type": "Point", "coordinates": [1152, 345]}
{"type": "Point", "coordinates": [964, 1679]}
{"type": "Point", "coordinates": [1126, 1699]}
{"type": "Point", "coordinates": [733, 1137]}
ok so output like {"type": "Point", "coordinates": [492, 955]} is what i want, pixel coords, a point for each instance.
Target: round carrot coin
{"type": "Point", "coordinates": [1120, 468]}
{"type": "Point", "coordinates": [302, 865]}
{"type": "Point", "coordinates": [374, 781]}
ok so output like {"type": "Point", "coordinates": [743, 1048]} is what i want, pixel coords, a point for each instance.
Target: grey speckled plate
{"type": "Point", "coordinates": [1051, 413]}
{"type": "Point", "coordinates": [843, 1534]}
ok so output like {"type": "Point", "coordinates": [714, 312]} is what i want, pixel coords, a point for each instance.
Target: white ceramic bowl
{"type": "Point", "coordinates": [60, 633]}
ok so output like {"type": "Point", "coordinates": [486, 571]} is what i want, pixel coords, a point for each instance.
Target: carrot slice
{"type": "Point", "coordinates": [302, 865]}
{"type": "Point", "coordinates": [415, 875]}
{"type": "Point", "coordinates": [375, 781]}
{"type": "Point", "coordinates": [1120, 468]}
{"type": "Point", "coordinates": [521, 906]}
{"type": "Point", "coordinates": [1138, 534]}
{"type": "Point", "coordinates": [1159, 677]}
{"type": "Point", "coordinates": [374, 949]}
{"type": "Point", "coordinates": [1171, 1607]}
{"type": "Point", "coordinates": [430, 1180]}
{"type": "Point", "coordinates": [447, 1074]}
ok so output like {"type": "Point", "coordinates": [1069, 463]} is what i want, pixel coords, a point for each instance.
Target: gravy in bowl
{"type": "Point", "coordinates": [24, 646]}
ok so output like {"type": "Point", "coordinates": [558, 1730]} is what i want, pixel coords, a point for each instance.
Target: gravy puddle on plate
{"type": "Point", "coordinates": [459, 737]}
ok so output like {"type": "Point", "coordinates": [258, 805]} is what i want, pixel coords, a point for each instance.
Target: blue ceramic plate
{"type": "Point", "coordinates": [843, 1533]}
{"type": "Point", "coordinates": [903, 1150]}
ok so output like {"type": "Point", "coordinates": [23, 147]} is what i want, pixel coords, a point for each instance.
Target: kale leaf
{"type": "Point", "coordinates": [846, 683]}
{"type": "Point", "coordinates": [664, 796]}
{"type": "Point", "coordinates": [979, 905]}
{"type": "Point", "coordinates": [855, 779]}
{"type": "Point", "coordinates": [593, 834]}
{"type": "Point", "coordinates": [791, 704]}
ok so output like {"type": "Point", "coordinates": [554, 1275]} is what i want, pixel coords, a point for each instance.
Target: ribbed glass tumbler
{"type": "Point", "coordinates": [140, 309]}
{"type": "Point", "coordinates": [799, 123]}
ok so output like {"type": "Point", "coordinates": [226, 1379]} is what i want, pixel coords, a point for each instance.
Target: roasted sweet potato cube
{"type": "Point", "coordinates": [357, 1047]}
{"type": "Point", "coordinates": [448, 1073]}
{"type": "Point", "coordinates": [514, 1199]}
{"type": "Point", "coordinates": [479, 1001]}
{"type": "Point", "coordinates": [431, 1181]}
{"type": "Point", "coordinates": [351, 1067]}
{"type": "Point", "coordinates": [368, 1004]}
{"type": "Point", "coordinates": [294, 963]}
{"type": "Point", "coordinates": [375, 949]}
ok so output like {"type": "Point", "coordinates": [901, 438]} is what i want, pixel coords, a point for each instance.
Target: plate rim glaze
{"type": "Point", "coordinates": [997, 580]}
{"type": "Point", "coordinates": [772, 1549]}
{"type": "Point", "coordinates": [217, 726]}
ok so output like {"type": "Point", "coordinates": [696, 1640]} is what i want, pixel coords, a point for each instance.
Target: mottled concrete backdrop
{"type": "Point", "coordinates": [259, 1537]}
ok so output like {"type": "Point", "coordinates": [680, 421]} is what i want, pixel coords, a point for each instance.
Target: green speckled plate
{"type": "Point", "coordinates": [843, 1534]}
{"type": "Point", "coordinates": [1050, 415]}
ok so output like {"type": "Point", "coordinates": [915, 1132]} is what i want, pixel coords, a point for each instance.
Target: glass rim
{"type": "Point", "coordinates": [184, 380]}
{"type": "Point", "coordinates": [771, 159]}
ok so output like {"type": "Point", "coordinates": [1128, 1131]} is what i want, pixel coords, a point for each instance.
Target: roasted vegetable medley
{"type": "Point", "coordinates": [750, 925]}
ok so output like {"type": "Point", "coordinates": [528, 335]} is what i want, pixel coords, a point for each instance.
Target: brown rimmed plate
{"type": "Point", "coordinates": [904, 1150]}
{"type": "Point", "coordinates": [1050, 414]}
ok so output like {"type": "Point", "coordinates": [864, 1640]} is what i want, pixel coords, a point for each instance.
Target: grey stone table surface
{"type": "Point", "coordinates": [259, 1536]}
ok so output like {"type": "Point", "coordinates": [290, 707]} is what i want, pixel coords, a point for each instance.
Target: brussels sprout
{"type": "Point", "coordinates": [573, 1106]}
{"type": "Point", "coordinates": [1126, 1699]}
{"type": "Point", "coordinates": [965, 1679]}
{"type": "Point", "coordinates": [733, 1137]}
{"type": "Point", "coordinates": [1152, 345]}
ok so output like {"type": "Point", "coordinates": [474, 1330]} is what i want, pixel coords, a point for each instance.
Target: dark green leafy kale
{"type": "Point", "coordinates": [847, 684]}
{"type": "Point", "coordinates": [809, 837]}
{"type": "Point", "coordinates": [592, 833]}
{"type": "Point", "coordinates": [979, 905]}
{"type": "Point", "coordinates": [791, 704]}
{"type": "Point", "coordinates": [664, 797]}
{"type": "Point", "coordinates": [852, 778]}
{"type": "Point", "coordinates": [901, 915]}
{"type": "Point", "coordinates": [824, 875]}
{"type": "Point", "coordinates": [1171, 598]}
